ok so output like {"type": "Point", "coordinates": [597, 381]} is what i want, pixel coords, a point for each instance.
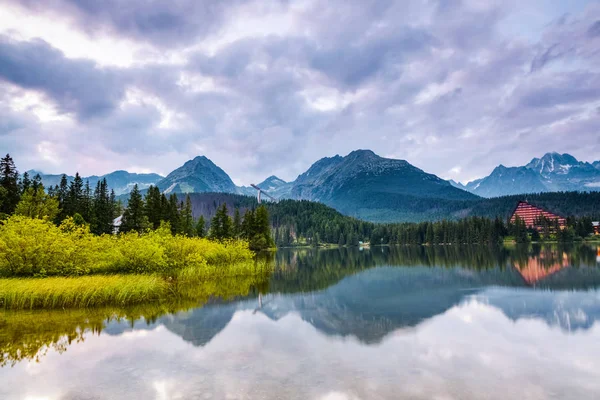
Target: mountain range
{"type": "Point", "coordinates": [553, 172]}
{"type": "Point", "coordinates": [365, 185]}
{"type": "Point", "coordinates": [122, 182]}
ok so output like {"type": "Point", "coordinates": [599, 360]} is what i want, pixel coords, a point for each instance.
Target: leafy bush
{"type": "Point", "coordinates": [35, 247]}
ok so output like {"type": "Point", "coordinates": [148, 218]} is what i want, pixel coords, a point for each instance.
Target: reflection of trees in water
{"type": "Point", "coordinates": [315, 269]}
{"type": "Point", "coordinates": [29, 335]}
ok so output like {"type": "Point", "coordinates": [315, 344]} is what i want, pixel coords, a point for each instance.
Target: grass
{"type": "Point", "coordinates": [125, 290]}
{"type": "Point", "coordinates": [85, 291]}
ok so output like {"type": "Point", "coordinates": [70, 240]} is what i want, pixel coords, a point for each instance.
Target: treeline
{"type": "Point", "coordinates": [301, 223]}
{"type": "Point", "coordinates": [27, 197]}
{"type": "Point", "coordinates": [99, 209]}
{"type": "Point", "coordinates": [149, 212]}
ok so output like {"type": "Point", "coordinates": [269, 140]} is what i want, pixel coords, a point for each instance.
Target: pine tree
{"type": "Point", "coordinates": [154, 210]}
{"type": "Point", "coordinates": [187, 219]}
{"type": "Point", "coordinates": [201, 227]}
{"type": "Point", "coordinates": [62, 194]}
{"type": "Point", "coordinates": [86, 203]}
{"type": "Point", "coordinates": [237, 224]}
{"type": "Point", "coordinates": [341, 241]}
{"type": "Point", "coordinates": [221, 226]}
{"type": "Point", "coordinates": [247, 228]}
{"type": "Point", "coordinates": [25, 182]}
{"type": "Point", "coordinates": [172, 211]}
{"type": "Point", "coordinates": [103, 209]}
{"type": "Point", "coordinates": [74, 201]}
{"type": "Point", "coordinates": [37, 184]}
{"type": "Point", "coordinates": [134, 218]}
{"type": "Point", "coordinates": [9, 181]}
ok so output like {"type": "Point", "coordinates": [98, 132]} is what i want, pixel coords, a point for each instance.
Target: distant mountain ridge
{"type": "Point", "coordinates": [122, 182]}
{"type": "Point", "coordinates": [551, 173]}
{"type": "Point", "coordinates": [199, 175]}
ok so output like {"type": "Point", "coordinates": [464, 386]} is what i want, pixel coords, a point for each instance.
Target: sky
{"type": "Point", "coordinates": [268, 87]}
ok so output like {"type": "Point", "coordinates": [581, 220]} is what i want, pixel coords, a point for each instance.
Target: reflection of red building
{"type": "Point", "coordinates": [538, 268]}
{"type": "Point", "coordinates": [531, 215]}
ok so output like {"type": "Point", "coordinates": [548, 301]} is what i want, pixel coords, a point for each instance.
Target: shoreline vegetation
{"type": "Point", "coordinates": [62, 247]}
{"type": "Point", "coordinates": [47, 266]}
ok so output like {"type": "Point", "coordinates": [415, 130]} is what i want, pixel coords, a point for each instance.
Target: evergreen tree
{"type": "Point", "coordinates": [221, 226]}
{"type": "Point", "coordinates": [262, 236]}
{"type": "Point", "coordinates": [201, 227]}
{"type": "Point", "coordinates": [248, 224]}
{"type": "Point", "coordinates": [134, 218]}
{"type": "Point", "coordinates": [103, 213]}
{"type": "Point", "coordinates": [25, 182]}
{"type": "Point", "coordinates": [36, 184]}
{"type": "Point", "coordinates": [63, 199]}
{"type": "Point", "coordinates": [74, 202]}
{"type": "Point", "coordinates": [86, 203]}
{"type": "Point", "coordinates": [187, 219]}
{"type": "Point", "coordinates": [172, 214]}
{"type": "Point", "coordinates": [237, 224]}
{"type": "Point", "coordinates": [154, 207]}
{"type": "Point", "coordinates": [9, 181]}
{"type": "Point", "coordinates": [341, 241]}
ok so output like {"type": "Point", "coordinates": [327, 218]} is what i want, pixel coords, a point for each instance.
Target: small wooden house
{"type": "Point", "coordinates": [596, 226]}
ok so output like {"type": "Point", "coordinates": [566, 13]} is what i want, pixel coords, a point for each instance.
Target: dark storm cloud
{"type": "Point", "coordinates": [165, 23]}
{"type": "Point", "coordinates": [77, 86]}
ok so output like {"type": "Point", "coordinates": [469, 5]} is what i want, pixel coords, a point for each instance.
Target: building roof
{"type": "Point", "coordinates": [595, 223]}
{"type": "Point", "coordinates": [529, 213]}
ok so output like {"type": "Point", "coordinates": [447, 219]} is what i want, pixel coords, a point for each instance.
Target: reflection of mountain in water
{"type": "Point", "coordinates": [570, 310]}
{"type": "Point", "coordinates": [367, 306]}
{"type": "Point", "coordinates": [370, 303]}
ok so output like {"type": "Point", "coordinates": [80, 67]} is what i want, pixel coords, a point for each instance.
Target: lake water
{"type": "Point", "coordinates": [385, 323]}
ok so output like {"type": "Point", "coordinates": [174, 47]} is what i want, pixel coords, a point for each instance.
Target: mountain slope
{"type": "Point", "coordinates": [120, 181]}
{"type": "Point", "coordinates": [199, 175]}
{"type": "Point", "coordinates": [551, 173]}
{"type": "Point", "coordinates": [364, 184]}
{"type": "Point", "coordinates": [505, 181]}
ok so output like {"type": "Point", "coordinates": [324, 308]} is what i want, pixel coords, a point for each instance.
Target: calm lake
{"type": "Point", "coordinates": [385, 323]}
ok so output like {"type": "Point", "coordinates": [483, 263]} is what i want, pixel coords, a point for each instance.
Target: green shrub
{"type": "Point", "coordinates": [35, 247]}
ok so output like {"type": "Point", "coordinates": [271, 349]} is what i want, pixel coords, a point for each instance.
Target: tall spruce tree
{"type": "Point", "coordinates": [9, 181]}
{"type": "Point", "coordinates": [134, 218]}
{"type": "Point", "coordinates": [154, 210]}
{"type": "Point", "coordinates": [62, 194]}
{"type": "Point", "coordinates": [86, 203]}
{"type": "Point", "coordinates": [187, 219]}
{"type": "Point", "coordinates": [221, 226]}
{"type": "Point", "coordinates": [74, 201]}
{"type": "Point", "coordinates": [37, 184]}
{"type": "Point", "coordinates": [103, 209]}
{"type": "Point", "coordinates": [237, 224]}
{"type": "Point", "coordinates": [173, 216]}
{"type": "Point", "coordinates": [25, 182]}
{"type": "Point", "coordinates": [201, 227]}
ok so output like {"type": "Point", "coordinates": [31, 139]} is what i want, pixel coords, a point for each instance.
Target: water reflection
{"type": "Point", "coordinates": [339, 324]}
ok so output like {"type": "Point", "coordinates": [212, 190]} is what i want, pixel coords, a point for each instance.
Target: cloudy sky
{"type": "Point", "coordinates": [268, 87]}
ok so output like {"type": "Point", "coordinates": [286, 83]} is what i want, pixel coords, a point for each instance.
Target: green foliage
{"type": "Point", "coordinates": [187, 219]}
{"type": "Point", "coordinates": [221, 226]}
{"type": "Point", "coordinates": [134, 218]}
{"type": "Point", "coordinates": [9, 182]}
{"type": "Point", "coordinates": [33, 247]}
{"type": "Point", "coordinates": [37, 204]}
{"type": "Point", "coordinates": [201, 227]}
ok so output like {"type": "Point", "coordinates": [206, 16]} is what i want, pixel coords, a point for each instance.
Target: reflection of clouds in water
{"type": "Point", "coordinates": [472, 351]}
